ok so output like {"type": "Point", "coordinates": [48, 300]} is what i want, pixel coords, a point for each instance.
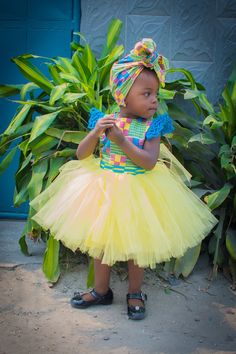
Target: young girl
{"type": "Point", "coordinates": [127, 205]}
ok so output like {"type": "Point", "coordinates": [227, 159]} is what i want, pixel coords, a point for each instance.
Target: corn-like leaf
{"type": "Point", "coordinates": [187, 73]}
{"type": "Point", "coordinates": [166, 94]}
{"type": "Point", "coordinates": [203, 138]}
{"type": "Point", "coordinates": [55, 164]}
{"type": "Point", "coordinates": [37, 104]}
{"type": "Point", "coordinates": [23, 244]}
{"type": "Point", "coordinates": [66, 64]}
{"type": "Point", "coordinates": [66, 135]}
{"type": "Point", "coordinates": [205, 103]}
{"type": "Point", "coordinates": [54, 71]}
{"type": "Point", "coordinates": [41, 124]}
{"type": "Point", "coordinates": [67, 152]}
{"type": "Point", "coordinates": [21, 194]}
{"type": "Point", "coordinates": [215, 199]}
{"type": "Point", "coordinates": [72, 97]}
{"type": "Point", "coordinates": [42, 143]}
{"type": "Point", "coordinates": [17, 120]}
{"type": "Point", "coordinates": [9, 90]}
{"type": "Point", "coordinates": [51, 267]}
{"type": "Point", "coordinates": [231, 243]}
{"type": "Point", "coordinates": [81, 67]}
{"type": "Point", "coordinates": [32, 73]}
{"type": "Point", "coordinates": [113, 34]}
{"type": "Point", "coordinates": [185, 264]}
{"type": "Point", "coordinates": [57, 92]}
{"type": "Point", "coordinates": [29, 87]}
{"type": "Point", "coordinates": [212, 122]}
{"type": "Point", "coordinates": [7, 160]}
{"type": "Point", "coordinates": [25, 163]}
{"type": "Point", "coordinates": [89, 58]}
{"type": "Point", "coordinates": [38, 172]}
{"type": "Point", "coordinates": [69, 78]}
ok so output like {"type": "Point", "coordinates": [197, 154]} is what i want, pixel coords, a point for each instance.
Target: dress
{"type": "Point", "coordinates": [115, 211]}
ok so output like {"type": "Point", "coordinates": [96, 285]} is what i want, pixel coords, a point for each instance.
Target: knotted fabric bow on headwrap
{"type": "Point", "coordinates": [126, 70]}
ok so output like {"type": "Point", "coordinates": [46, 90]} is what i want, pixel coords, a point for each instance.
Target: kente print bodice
{"type": "Point", "coordinates": [137, 131]}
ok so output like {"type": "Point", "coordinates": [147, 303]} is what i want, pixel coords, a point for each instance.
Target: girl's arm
{"type": "Point", "coordinates": [146, 157]}
{"type": "Point", "coordinates": [89, 143]}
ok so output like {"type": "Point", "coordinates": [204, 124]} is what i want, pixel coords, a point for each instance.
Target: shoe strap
{"type": "Point", "coordinates": [95, 294]}
{"type": "Point", "coordinates": [139, 296]}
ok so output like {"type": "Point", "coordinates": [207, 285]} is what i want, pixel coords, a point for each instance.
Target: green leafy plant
{"type": "Point", "coordinates": [51, 120]}
{"type": "Point", "coordinates": [210, 155]}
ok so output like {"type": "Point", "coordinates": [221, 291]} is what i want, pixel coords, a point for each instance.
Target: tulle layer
{"type": "Point", "coordinates": [148, 218]}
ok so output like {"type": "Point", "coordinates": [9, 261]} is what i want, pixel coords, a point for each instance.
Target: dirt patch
{"type": "Point", "coordinates": [192, 317]}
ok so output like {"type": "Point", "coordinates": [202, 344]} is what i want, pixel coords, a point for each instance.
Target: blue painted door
{"type": "Point", "coordinates": [44, 28]}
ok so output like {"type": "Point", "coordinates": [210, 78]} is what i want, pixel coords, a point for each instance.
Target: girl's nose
{"type": "Point", "coordinates": [154, 100]}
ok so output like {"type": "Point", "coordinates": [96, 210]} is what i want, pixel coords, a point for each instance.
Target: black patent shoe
{"type": "Point", "coordinates": [78, 302]}
{"type": "Point", "coordinates": [136, 312]}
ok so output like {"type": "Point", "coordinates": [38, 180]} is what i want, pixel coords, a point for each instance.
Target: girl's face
{"type": "Point", "coordinates": [141, 100]}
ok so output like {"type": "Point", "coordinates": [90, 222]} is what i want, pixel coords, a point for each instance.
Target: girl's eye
{"type": "Point", "coordinates": [146, 94]}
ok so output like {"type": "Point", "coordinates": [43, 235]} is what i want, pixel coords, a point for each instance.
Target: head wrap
{"type": "Point", "coordinates": [126, 70]}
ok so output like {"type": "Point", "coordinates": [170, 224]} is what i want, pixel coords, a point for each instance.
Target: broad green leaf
{"type": "Point", "coordinates": [215, 199]}
{"type": "Point", "coordinates": [81, 67]}
{"type": "Point", "coordinates": [70, 78]}
{"type": "Point", "coordinates": [41, 124]}
{"type": "Point", "coordinates": [67, 152]}
{"type": "Point", "coordinates": [17, 120]}
{"type": "Point", "coordinates": [89, 58]}
{"type": "Point", "coordinates": [212, 122]}
{"type": "Point", "coordinates": [187, 73]}
{"type": "Point", "coordinates": [113, 34]}
{"type": "Point", "coordinates": [29, 87]}
{"type": "Point", "coordinates": [54, 71]}
{"type": "Point", "coordinates": [185, 264]}
{"type": "Point", "coordinates": [25, 163]}
{"type": "Point", "coordinates": [7, 160]}
{"type": "Point", "coordinates": [205, 103]}
{"type": "Point", "coordinates": [184, 118]}
{"type": "Point", "coordinates": [57, 92]}
{"type": "Point", "coordinates": [9, 90]}
{"type": "Point", "coordinates": [55, 164]}
{"type": "Point", "coordinates": [21, 194]}
{"type": "Point", "coordinates": [38, 104]}
{"type": "Point", "coordinates": [203, 138]}
{"type": "Point", "coordinates": [38, 172]}
{"type": "Point", "coordinates": [33, 74]}
{"type": "Point", "coordinates": [42, 143]}
{"type": "Point", "coordinates": [231, 242]}
{"type": "Point", "coordinates": [72, 97]}
{"type": "Point", "coordinates": [66, 64]}
{"type": "Point", "coordinates": [66, 135]}
{"type": "Point", "coordinates": [51, 267]}
{"type": "Point", "coordinates": [166, 94]}
{"type": "Point", "coordinates": [23, 245]}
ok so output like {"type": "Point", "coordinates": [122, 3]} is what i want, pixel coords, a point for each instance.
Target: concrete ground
{"type": "Point", "coordinates": [195, 316]}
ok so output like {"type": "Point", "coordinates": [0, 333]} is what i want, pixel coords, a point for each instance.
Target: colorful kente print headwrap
{"type": "Point", "coordinates": [126, 70]}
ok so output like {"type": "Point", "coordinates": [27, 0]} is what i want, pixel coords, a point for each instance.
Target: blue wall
{"type": "Point", "coordinates": [199, 35]}
{"type": "Point", "coordinates": [44, 28]}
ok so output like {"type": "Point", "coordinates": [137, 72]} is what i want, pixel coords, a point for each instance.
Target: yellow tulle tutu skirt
{"type": "Point", "coordinates": [148, 218]}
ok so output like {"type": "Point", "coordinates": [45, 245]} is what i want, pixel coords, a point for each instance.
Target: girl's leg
{"type": "Point", "coordinates": [135, 274]}
{"type": "Point", "coordinates": [102, 279]}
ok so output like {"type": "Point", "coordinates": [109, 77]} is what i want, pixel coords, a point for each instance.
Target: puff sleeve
{"type": "Point", "coordinates": [160, 125]}
{"type": "Point", "coordinates": [95, 115]}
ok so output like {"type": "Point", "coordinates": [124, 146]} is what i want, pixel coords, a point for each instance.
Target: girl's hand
{"type": "Point", "coordinates": [115, 134]}
{"type": "Point", "coordinates": [103, 124]}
